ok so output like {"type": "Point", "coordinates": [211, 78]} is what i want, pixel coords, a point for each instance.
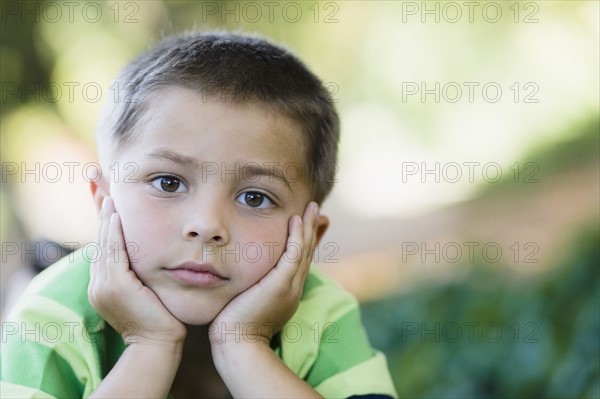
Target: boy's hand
{"type": "Point", "coordinates": [130, 307]}
{"type": "Point", "coordinates": [263, 309]}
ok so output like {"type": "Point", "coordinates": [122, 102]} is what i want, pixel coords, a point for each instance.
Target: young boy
{"type": "Point", "coordinates": [214, 161]}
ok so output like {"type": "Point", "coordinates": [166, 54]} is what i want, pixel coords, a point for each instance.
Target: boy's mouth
{"type": "Point", "coordinates": [200, 274]}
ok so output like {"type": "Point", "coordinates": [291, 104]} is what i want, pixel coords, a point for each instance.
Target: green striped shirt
{"type": "Point", "coordinates": [55, 344]}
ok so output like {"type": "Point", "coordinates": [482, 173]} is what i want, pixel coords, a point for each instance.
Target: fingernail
{"type": "Point", "coordinates": [104, 200]}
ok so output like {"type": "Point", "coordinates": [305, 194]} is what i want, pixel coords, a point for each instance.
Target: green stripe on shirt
{"type": "Point", "coordinates": [38, 366]}
{"type": "Point", "coordinates": [344, 343]}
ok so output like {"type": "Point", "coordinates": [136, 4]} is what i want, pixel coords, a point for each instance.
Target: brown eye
{"type": "Point", "coordinates": [169, 184]}
{"type": "Point", "coordinates": [254, 199]}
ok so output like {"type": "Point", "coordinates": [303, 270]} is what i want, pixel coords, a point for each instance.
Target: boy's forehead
{"type": "Point", "coordinates": [182, 113]}
{"type": "Point", "coordinates": [184, 121]}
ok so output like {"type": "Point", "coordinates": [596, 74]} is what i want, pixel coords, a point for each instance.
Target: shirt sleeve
{"type": "Point", "coordinates": [326, 344]}
{"type": "Point", "coordinates": [38, 359]}
{"type": "Point", "coordinates": [53, 341]}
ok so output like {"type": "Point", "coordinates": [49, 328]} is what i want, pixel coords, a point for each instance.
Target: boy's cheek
{"type": "Point", "coordinates": [138, 238]}
{"type": "Point", "coordinates": [273, 245]}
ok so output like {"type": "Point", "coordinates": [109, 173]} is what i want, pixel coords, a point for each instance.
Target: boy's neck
{"type": "Point", "coordinates": [197, 342]}
{"type": "Point", "coordinates": [197, 375]}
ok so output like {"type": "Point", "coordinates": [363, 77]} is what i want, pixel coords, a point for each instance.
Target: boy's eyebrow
{"type": "Point", "coordinates": [254, 170]}
{"type": "Point", "coordinates": [248, 171]}
{"type": "Point", "coordinates": [180, 159]}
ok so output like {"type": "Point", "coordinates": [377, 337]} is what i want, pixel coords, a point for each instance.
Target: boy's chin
{"type": "Point", "coordinates": [195, 321]}
{"type": "Point", "coordinates": [194, 318]}
{"type": "Point", "coordinates": [192, 310]}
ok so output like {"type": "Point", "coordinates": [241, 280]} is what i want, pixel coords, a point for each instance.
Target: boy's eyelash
{"type": "Point", "coordinates": [155, 177]}
{"type": "Point", "coordinates": [267, 196]}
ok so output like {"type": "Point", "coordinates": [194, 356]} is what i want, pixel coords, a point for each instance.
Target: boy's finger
{"type": "Point", "coordinates": [98, 264]}
{"type": "Point", "coordinates": [309, 222]}
{"type": "Point", "coordinates": [117, 261]}
{"type": "Point", "coordinates": [100, 222]}
{"type": "Point", "coordinates": [308, 233]}
{"type": "Point", "coordinates": [93, 272]}
{"type": "Point", "coordinates": [105, 222]}
{"type": "Point", "coordinates": [97, 271]}
{"type": "Point", "coordinates": [288, 263]}
{"type": "Point", "coordinates": [100, 258]}
{"type": "Point", "coordinates": [315, 227]}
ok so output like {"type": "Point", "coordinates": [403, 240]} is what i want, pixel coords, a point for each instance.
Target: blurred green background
{"type": "Point", "coordinates": [474, 284]}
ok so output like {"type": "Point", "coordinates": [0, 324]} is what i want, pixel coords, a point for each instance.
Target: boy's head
{"type": "Point", "coordinates": [215, 142]}
{"type": "Point", "coordinates": [236, 69]}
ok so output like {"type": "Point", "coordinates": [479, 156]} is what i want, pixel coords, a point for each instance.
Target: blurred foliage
{"type": "Point", "coordinates": [564, 155]}
{"type": "Point", "coordinates": [578, 148]}
{"type": "Point", "coordinates": [495, 336]}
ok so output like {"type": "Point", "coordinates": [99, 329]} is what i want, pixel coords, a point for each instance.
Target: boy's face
{"type": "Point", "coordinates": [212, 185]}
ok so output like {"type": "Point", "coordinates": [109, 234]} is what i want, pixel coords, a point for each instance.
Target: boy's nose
{"type": "Point", "coordinates": [207, 227]}
{"type": "Point", "coordinates": [218, 239]}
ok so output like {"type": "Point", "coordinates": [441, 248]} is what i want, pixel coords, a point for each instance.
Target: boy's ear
{"type": "Point", "coordinates": [322, 225]}
{"type": "Point", "coordinates": [99, 190]}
